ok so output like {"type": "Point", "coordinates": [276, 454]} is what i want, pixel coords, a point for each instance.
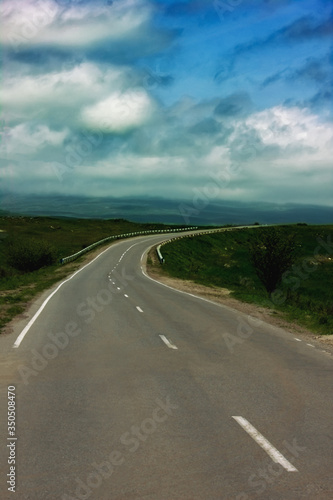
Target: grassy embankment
{"type": "Point", "coordinates": [64, 237]}
{"type": "Point", "coordinates": [222, 260]}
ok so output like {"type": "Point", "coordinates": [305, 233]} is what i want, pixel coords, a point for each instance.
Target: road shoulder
{"type": "Point", "coordinates": [223, 296]}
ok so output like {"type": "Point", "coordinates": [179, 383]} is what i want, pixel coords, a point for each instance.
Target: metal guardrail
{"type": "Point", "coordinates": [159, 255]}
{"type": "Point", "coordinates": [76, 255]}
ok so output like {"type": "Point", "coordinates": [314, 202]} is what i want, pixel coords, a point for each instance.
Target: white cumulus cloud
{"type": "Point", "coordinates": [119, 111]}
{"type": "Point", "coordinates": [47, 22]}
{"type": "Point", "coordinates": [291, 127]}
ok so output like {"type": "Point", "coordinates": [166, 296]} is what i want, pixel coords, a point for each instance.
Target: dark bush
{"type": "Point", "coordinates": [5, 273]}
{"type": "Point", "coordinates": [30, 254]}
{"type": "Point", "coordinates": [272, 253]}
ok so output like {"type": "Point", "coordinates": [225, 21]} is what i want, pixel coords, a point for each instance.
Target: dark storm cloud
{"type": "Point", "coordinates": [187, 8]}
{"type": "Point", "coordinates": [237, 104]}
{"type": "Point", "coordinates": [304, 28]}
{"type": "Point", "coordinates": [151, 79]}
{"type": "Point", "coordinates": [128, 51]}
{"type": "Point", "coordinates": [274, 78]}
{"type": "Point", "coordinates": [315, 70]}
{"type": "Point", "coordinates": [208, 126]}
{"type": "Point", "coordinates": [322, 98]}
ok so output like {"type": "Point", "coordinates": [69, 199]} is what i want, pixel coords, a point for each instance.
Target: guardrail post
{"type": "Point", "coordinates": [159, 254]}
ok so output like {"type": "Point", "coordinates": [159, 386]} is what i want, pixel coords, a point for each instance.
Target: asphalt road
{"type": "Point", "coordinates": [127, 389]}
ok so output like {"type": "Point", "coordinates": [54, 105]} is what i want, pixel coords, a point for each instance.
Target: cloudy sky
{"type": "Point", "coordinates": [227, 99]}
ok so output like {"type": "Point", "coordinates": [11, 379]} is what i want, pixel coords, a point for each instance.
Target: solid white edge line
{"type": "Point", "coordinates": [181, 291]}
{"type": "Point", "coordinates": [191, 294]}
{"type": "Point", "coordinates": [166, 341]}
{"type": "Point", "coordinates": [176, 289]}
{"type": "Point", "coordinates": [139, 309]}
{"type": "Point", "coordinates": [275, 455]}
{"type": "Point", "coordinates": [35, 316]}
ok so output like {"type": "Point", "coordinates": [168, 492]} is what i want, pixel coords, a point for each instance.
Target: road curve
{"type": "Point", "coordinates": [128, 389]}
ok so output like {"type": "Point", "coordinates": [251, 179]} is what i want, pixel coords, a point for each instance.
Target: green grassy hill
{"type": "Point", "coordinates": [58, 237]}
{"type": "Point", "coordinates": [222, 260]}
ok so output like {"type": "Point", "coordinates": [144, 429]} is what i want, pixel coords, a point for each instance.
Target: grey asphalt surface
{"type": "Point", "coordinates": [107, 410]}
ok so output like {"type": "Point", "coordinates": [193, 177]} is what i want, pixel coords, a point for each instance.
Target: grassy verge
{"type": "Point", "coordinates": [65, 237]}
{"type": "Point", "coordinates": [222, 260]}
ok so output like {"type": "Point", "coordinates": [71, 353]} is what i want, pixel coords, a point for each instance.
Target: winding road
{"type": "Point", "coordinates": [126, 389]}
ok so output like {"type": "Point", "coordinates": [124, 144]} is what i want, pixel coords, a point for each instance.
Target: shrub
{"type": "Point", "coordinates": [30, 254]}
{"type": "Point", "coordinates": [272, 253]}
{"type": "Point", "coordinates": [5, 272]}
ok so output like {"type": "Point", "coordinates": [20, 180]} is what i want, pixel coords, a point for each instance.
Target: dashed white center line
{"type": "Point", "coordinates": [118, 288]}
{"type": "Point", "coordinates": [310, 345]}
{"type": "Point", "coordinates": [139, 309]}
{"type": "Point", "coordinates": [169, 344]}
{"type": "Point", "coordinates": [298, 340]}
{"type": "Point", "coordinates": [125, 295]}
{"type": "Point", "coordinates": [275, 455]}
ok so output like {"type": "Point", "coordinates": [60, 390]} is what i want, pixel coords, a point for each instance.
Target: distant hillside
{"type": "Point", "coordinates": [165, 211]}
